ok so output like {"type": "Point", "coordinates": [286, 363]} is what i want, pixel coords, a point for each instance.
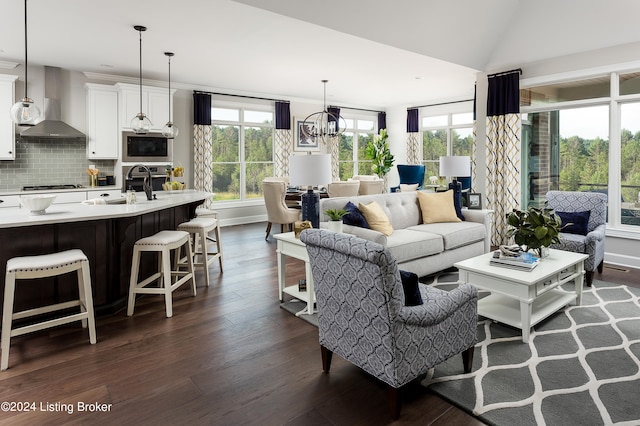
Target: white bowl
{"type": "Point", "coordinates": [37, 204]}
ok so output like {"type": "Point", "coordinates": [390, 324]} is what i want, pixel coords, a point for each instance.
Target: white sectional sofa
{"type": "Point", "coordinates": [420, 248]}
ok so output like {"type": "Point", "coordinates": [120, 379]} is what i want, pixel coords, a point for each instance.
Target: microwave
{"type": "Point", "coordinates": [146, 148]}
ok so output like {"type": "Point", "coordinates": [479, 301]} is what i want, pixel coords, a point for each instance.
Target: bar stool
{"type": "Point", "coordinates": [163, 243]}
{"type": "Point", "coordinates": [200, 227]}
{"type": "Point", "coordinates": [204, 212]}
{"type": "Point", "coordinates": [48, 265]}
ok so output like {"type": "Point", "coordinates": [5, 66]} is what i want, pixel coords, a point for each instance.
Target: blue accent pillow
{"type": "Point", "coordinates": [576, 222]}
{"type": "Point", "coordinates": [354, 217]}
{"type": "Point", "coordinates": [411, 289]}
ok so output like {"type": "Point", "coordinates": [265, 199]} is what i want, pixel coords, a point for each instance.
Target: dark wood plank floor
{"type": "Point", "coordinates": [228, 356]}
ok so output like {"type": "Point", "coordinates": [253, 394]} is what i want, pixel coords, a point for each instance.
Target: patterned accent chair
{"type": "Point", "coordinates": [592, 243]}
{"type": "Point", "coordinates": [363, 318]}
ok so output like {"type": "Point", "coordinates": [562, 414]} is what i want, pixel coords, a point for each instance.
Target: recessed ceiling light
{"type": "Point", "coordinates": [106, 66]}
{"type": "Point", "coordinates": [418, 77]}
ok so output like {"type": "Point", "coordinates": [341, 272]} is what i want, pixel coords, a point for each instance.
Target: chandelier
{"type": "Point", "coordinates": [323, 126]}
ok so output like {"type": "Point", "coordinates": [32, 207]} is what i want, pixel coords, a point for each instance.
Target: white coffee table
{"type": "Point", "coordinates": [289, 245]}
{"type": "Point", "coordinates": [524, 298]}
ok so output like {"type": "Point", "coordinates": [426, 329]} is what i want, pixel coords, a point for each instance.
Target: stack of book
{"type": "Point", "coordinates": [522, 261]}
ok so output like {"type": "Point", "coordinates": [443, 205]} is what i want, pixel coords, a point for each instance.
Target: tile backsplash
{"type": "Point", "coordinates": [49, 161]}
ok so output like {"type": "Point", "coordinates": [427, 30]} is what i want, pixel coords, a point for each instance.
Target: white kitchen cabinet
{"type": "Point", "coordinates": [7, 127]}
{"type": "Point", "coordinates": [103, 131]}
{"type": "Point", "coordinates": [155, 104]}
{"type": "Point", "coordinates": [9, 201]}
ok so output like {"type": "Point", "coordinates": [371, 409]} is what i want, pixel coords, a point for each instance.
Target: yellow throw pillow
{"type": "Point", "coordinates": [376, 217]}
{"type": "Point", "coordinates": [437, 207]}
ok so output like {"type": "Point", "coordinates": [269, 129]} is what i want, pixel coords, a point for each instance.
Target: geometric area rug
{"type": "Point", "coordinates": [580, 367]}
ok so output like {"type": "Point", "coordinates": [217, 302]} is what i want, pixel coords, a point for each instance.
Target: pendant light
{"type": "Point", "coordinates": [140, 123]}
{"type": "Point", "coordinates": [25, 112]}
{"type": "Point", "coordinates": [169, 130]}
{"type": "Point", "coordinates": [324, 125]}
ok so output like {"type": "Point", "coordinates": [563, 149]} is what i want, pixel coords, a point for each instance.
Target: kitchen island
{"type": "Point", "coordinates": [105, 233]}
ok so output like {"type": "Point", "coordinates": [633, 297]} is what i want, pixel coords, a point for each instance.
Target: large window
{"type": "Point", "coordinates": [242, 151]}
{"type": "Point", "coordinates": [570, 144]}
{"type": "Point", "coordinates": [445, 134]}
{"type": "Point", "coordinates": [353, 142]}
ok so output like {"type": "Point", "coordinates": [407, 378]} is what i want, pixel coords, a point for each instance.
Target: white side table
{"type": "Point", "coordinates": [289, 245]}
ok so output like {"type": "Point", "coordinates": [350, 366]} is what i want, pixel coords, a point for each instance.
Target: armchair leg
{"type": "Point", "coordinates": [589, 278]}
{"type": "Point", "coordinates": [394, 402]}
{"type": "Point", "coordinates": [268, 230]}
{"type": "Point", "coordinates": [326, 358]}
{"type": "Point", "coordinates": [467, 359]}
{"type": "Point", "coordinates": [601, 267]}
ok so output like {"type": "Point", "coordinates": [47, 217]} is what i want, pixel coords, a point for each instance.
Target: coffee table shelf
{"type": "Point", "coordinates": [523, 298]}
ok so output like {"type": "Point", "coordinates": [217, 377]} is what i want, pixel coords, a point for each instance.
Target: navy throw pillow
{"type": "Point", "coordinates": [458, 207]}
{"type": "Point", "coordinates": [577, 222]}
{"type": "Point", "coordinates": [354, 217]}
{"type": "Point", "coordinates": [411, 289]}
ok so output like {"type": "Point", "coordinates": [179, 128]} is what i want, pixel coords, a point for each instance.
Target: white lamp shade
{"type": "Point", "coordinates": [309, 170]}
{"type": "Point", "coordinates": [455, 165]}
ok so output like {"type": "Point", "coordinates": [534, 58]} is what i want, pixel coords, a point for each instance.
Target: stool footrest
{"type": "Point", "coordinates": [46, 309]}
{"type": "Point", "coordinates": [48, 324]}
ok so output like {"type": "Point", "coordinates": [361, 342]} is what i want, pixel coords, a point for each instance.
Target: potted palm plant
{"type": "Point", "coordinates": [534, 229]}
{"type": "Point", "coordinates": [335, 219]}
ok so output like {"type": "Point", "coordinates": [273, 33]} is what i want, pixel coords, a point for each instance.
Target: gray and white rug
{"type": "Point", "coordinates": [581, 366]}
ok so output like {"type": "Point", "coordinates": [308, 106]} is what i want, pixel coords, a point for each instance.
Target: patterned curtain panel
{"type": "Point", "coordinates": [333, 147]}
{"type": "Point", "coordinates": [202, 145]}
{"type": "Point", "coordinates": [474, 145]}
{"type": "Point", "coordinates": [414, 139]}
{"type": "Point", "coordinates": [283, 140]}
{"type": "Point", "coordinates": [503, 150]}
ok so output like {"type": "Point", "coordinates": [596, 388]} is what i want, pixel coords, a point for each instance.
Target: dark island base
{"type": "Point", "coordinates": [108, 243]}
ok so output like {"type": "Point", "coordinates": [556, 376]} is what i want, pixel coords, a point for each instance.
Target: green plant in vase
{"type": "Point", "coordinates": [378, 151]}
{"type": "Point", "coordinates": [335, 224]}
{"type": "Point", "coordinates": [534, 228]}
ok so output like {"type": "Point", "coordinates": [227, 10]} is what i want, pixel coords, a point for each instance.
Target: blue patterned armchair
{"type": "Point", "coordinates": [363, 318]}
{"type": "Point", "coordinates": [592, 242]}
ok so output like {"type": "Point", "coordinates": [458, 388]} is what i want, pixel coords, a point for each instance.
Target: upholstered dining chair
{"type": "Point", "coordinates": [369, 184]}
{"type": "Point", "coordinates": [587, 214]}
{"type": "Point", "coordinates": [274, 192]}
{"type": "Point", "coordinates": [363, 317]}
{"type": "Point", "coordinates": [344, 188]}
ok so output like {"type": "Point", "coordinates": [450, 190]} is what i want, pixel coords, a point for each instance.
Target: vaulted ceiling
{"type": "Point", "coordinates": [374, 53]}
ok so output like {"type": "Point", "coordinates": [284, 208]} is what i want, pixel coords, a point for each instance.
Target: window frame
{"type": "Point", "coordinates": [373, 117]}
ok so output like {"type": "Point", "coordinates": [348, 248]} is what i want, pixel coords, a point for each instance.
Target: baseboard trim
{"type": "Point", "coordinates": [622, 260]}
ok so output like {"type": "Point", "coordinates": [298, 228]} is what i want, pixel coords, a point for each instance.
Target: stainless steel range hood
{"type": "Point", "coordinates": [52, 126]}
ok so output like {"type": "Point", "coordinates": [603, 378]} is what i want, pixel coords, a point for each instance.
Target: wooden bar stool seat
{"type": "Point", "coordinates": [200, 227]}
{"type": "Point", "coordinates": [168, 279]}
{"type": "Point", "coordinates": [42, 266]}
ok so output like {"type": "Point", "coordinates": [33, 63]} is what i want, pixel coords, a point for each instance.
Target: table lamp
{"type": "Point", "coordinates": [455, 166]}
{"type": "Point", "coordinates": [310, 170]}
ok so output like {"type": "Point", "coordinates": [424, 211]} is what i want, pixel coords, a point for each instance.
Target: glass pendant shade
{"type": "Point", "coordinates": [25, 113]}
{"type": "Point", "coordinates": [169, 130]}
{"type": "Point", "coordinates": [140, 123]}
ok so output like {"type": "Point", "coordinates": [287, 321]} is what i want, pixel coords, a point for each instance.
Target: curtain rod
{"type": "Point", "coordinates": [443, 103]}
{"type": "Point", "coordinates": [240, 96]}
{"type": "Point", "coordinates": [517, 70]}
{"type": "Point", "coordinates": [356, 109]}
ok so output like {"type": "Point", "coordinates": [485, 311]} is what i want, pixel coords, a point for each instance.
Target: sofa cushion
{"type": "Point", "coordinates": [376, 217]}
{"type": "Point", "coordinates": [412, 296]}
{"type": "Point", "coordinates": [454, 234]}
{"type": "Point", "coordinates": [354, 217]}
{"type": "Point", "coordinates": [407, 244]}
{"type": "Point", "coordinates": [437, 207]}
{"type": "Point", "coordinates": [575, 222]}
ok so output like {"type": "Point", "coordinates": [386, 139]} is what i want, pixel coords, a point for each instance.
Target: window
{"type": "Point", "coordinates": [242, 151]}
{"type": "Point", "coordinates": [445, 134]}
{"type": "Point", "coordinates": [569, 142]}
{"type": "Point", "coordinates": [351, 156]}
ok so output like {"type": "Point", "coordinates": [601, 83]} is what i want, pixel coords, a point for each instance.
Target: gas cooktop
{"type": "Point", "coordinates": [50, 187]}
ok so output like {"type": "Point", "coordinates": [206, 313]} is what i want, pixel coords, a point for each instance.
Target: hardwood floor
{"type": "Point", "coordinates": [228, 356]}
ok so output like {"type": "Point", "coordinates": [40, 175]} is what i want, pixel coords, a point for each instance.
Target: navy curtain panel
{"type": "Point", "coordinates": [283, 115]}
{"type": "Point", "coordinates": [475, 94]}
{"type": "Point", "coordinates": [202, 109]}
{"type": "Point", "coordinates": [413, 126]}
{"type": "Point", "coordinates": [334, 114]}
{"type": "Point", "coordinates": [503, 96]}
{"type": "Point", "coordinates": [382, 121]}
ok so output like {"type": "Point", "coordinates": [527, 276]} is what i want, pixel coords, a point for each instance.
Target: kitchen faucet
{"type": "Point", "coordinates": [146, 183]}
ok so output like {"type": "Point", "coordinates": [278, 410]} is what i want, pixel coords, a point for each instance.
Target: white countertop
{"type": "Point", "coordinates": [51, 191]}
{"type": "Point", "coordinates": [12, 217]}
